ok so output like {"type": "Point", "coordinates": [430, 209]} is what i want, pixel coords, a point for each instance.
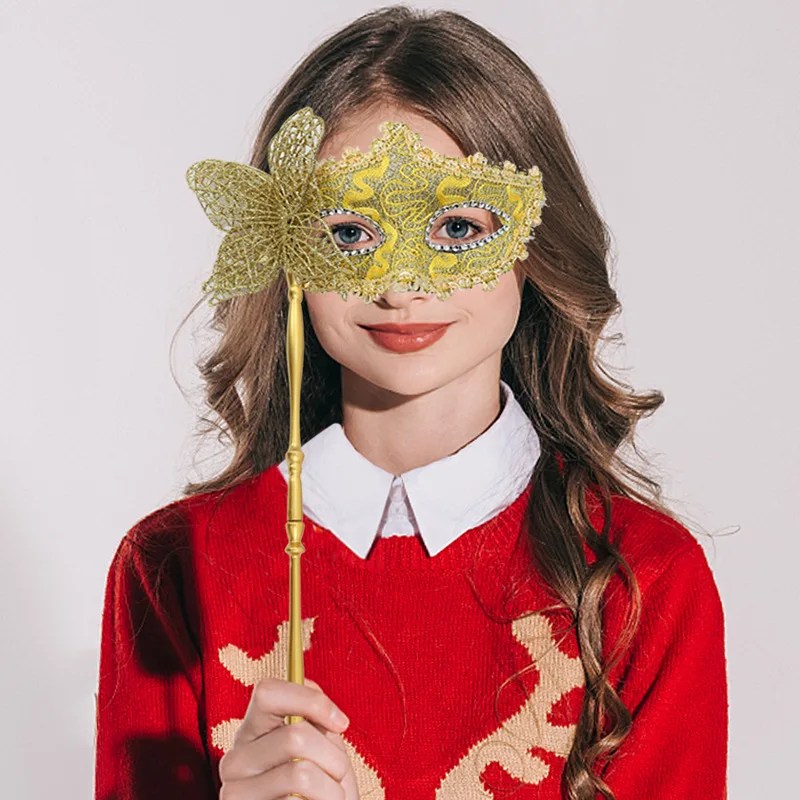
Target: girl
{"type": "Point", "coordinates": [491, 605]}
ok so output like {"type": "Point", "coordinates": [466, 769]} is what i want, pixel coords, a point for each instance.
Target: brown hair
{"type": "Point", "coordinates": [451, 70]}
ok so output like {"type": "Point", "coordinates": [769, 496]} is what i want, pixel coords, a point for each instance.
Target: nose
{"type": "Point", "coordinates": [403, 297]}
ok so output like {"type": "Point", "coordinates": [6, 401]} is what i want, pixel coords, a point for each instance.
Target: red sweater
{"type": "Point", "coordinates": [457, 684]}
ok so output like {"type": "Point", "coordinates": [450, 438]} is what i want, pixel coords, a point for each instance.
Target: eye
{"type": "Point", "coordinates": [457, 227]}
{"type": "Point", "coordinates": [354, 233]}
{"type": "Point", "coordinates": [465, 226]}
{"type": "Point", "coordinates": [348, 233]}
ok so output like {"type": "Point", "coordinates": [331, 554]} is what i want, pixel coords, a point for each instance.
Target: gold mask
{"type": "Point", "coordinates": [400, 193]}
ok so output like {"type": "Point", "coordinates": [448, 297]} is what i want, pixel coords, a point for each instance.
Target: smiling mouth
{"type": "Point", "coordinates": [406, 337]}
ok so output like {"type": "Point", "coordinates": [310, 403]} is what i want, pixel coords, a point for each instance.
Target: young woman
{"type": "Point", "coordinates": [499, 604]}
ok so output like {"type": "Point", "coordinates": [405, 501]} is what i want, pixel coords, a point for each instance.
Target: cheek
{"type": "Point", "coordinates": [328, 314]}
{"type": "Point", "coordinates": [495, 312]}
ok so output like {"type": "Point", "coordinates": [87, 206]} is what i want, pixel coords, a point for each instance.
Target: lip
{"type": "Point", "coordinates": [407, 327]}
{"type": "Point", "coordinates": [406, 337]}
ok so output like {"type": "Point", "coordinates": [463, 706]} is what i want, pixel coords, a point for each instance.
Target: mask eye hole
{"type": "Point", "coordinates": [465, 226]}
{"type": "Point", "coordinates": [354, 233]}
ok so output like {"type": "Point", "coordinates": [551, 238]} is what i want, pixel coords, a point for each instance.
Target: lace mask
{"type": "Point", "coordinates": [424, 221]}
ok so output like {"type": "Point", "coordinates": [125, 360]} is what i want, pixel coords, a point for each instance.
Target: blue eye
{"type": "Point", "coordinates": [353, 237]}
{"type": "Point", "coordinates": [465, 226]}
{"type": "Point", "coordinates": [458, 227]}
{"type": "Point", "coordinates": [347, 232]}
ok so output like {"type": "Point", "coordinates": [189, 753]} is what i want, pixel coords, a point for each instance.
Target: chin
{"type": "Point", "coordinates": [402, 377]}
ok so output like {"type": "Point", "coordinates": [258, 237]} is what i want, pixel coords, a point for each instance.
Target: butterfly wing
{"type": "Point", "coordinates": [240, 200]}
{"type": "Point", "coordinates": [292, 151]}
{"type": "Point", "coordinates": [243, 266]}
{"type": "Point", "coordinates": [315, 260]}
{"type": "Point", "coordinates": [233, 195]}
{"type": "Point", "coordinates": [272, 220]}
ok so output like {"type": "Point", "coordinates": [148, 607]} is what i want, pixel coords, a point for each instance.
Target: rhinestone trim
{"type": "Point", "coordinates": [327, 212]}
{"type": "Point", "coordinates": [458, 248]}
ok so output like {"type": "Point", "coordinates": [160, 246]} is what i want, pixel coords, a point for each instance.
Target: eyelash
{"type": "Point", "coordinates": [477, 227]}
{"type": "Point", "coordinates": [339, 226]}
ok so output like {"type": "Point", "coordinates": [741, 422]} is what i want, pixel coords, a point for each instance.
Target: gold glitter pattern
{"type": "Point", "coordinates": [275, 220]}
{"type": "Point", "coordinates": [267, 217]}
{"type": "Point", "coordinates": [401, 185]}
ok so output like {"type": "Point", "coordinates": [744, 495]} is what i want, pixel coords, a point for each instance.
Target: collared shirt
{"type": "Point", "coordinates": [356, 500]}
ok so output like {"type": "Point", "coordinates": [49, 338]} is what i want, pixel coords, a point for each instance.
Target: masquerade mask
{"type": "Point", "coordinates": [398, 215]}
{"type": "Point", "coordinates": [421, 220]}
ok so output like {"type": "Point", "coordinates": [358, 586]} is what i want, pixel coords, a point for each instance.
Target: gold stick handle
{"type": "Point", "coordinates": [294, 507]}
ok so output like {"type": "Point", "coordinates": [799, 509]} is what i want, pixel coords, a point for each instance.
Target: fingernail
{"type": "Point", "coordinates": [339, 718]}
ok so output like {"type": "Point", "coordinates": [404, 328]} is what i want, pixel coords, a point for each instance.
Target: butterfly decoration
{"type": "Point", "coordinates": [271, 219]}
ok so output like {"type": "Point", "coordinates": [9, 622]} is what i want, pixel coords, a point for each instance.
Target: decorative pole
{"type": "Point", "coordinates": [294, 506]}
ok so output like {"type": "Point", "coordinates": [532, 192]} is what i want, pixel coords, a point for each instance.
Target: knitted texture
{"type": "Point", "coordinates": [458, 682]}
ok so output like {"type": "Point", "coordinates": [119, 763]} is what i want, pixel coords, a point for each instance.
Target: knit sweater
{"type": "Point", "coordinates": [459, 682]}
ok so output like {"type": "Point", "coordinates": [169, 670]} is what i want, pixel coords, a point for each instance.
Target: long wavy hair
{"type": "Point", "coordinates": [454, 72]}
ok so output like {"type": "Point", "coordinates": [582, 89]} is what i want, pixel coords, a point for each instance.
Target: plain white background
{"type": "Point", "coordinates": [685, 118]}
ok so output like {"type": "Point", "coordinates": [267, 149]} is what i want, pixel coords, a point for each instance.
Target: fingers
{"type": "Point", "coordinates": [303, 778]}
{"type": "Point", "coordinates": [302, 740]}
{"type": "Point", "coordinates": [334, 737]}
{"type": "Point", "coordinates": [270, 759]}
{"type": "Point", "coordinates": [273, 699]}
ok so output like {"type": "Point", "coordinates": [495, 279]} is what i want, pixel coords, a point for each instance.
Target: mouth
{"type": "Point", "coordinates": [407, 328]}
{"type": "Point", "coordinates": [406, 337]}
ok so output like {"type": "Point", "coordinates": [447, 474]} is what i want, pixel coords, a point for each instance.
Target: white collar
{"type": "Point", "coordinates": [346, 493]}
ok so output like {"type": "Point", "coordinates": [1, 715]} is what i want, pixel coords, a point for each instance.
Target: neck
{"type": "Point", "coordinates": [399, 432]}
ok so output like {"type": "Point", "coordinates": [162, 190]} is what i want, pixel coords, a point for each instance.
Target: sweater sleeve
{"type": "Point", "coordinates": [674, 683]}
{"type": "Point", "coordinates": [148, 740]}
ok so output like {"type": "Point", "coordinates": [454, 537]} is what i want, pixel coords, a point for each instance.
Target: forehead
{"type": "Point", "coordinates": [361, 128]}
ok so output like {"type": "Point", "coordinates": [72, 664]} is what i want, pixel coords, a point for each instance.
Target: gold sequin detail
{"type": "Point", "coordinates": [267, 217]}
{"type": "Point", "coordinates": [274, 221]}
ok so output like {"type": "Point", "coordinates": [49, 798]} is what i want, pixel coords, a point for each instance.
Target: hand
{"type": "Point", "coordinates": [259, 766]}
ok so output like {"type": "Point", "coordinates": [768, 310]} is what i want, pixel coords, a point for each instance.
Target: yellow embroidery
{"type": "Point", "coordinates": [274, 220]}
{"type": "Point", "coordinates": [402, 186]}
{"type": "Point", "coordinates": [508, 746]}
{"type": "Point", "coordinates": [249, 671]}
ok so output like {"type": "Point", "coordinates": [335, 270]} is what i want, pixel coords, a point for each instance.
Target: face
{"type": "Point", "coordinates": [473, 324]}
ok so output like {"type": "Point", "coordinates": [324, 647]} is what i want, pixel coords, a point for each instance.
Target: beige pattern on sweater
{"type": "Point", "coordinates": [507, 746]}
